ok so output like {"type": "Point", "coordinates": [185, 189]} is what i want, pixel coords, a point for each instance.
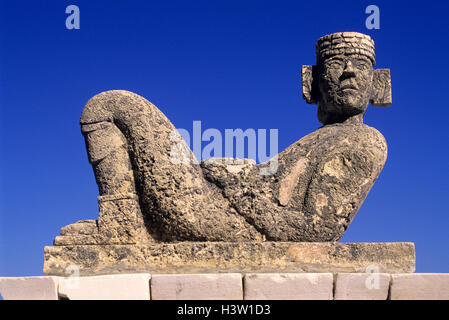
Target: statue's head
{"type": "Point", "coordinates": [344, 81]}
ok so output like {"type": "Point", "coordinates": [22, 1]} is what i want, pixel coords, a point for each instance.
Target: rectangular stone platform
{"type": "Point", "coordinates": [228, 257]}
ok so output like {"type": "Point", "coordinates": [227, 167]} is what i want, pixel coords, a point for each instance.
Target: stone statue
{"type": "Point", "coordinates": [320, 183]}
{"type": "Point", "coordinates": [223, 215]}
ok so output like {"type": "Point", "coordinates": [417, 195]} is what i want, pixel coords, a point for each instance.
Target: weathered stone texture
{"type": "Point", "coordinates": [211, 257]}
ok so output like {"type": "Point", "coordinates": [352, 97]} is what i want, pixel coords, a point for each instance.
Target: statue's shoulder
{"type": "Point", "coordinates": [358, 131]}
{"type": "Point", "coordinates": [360, 136]}
{"type": "Point", "coordinates": [370, 134]}
{"type": "Point", "coordinates": [348, 138]}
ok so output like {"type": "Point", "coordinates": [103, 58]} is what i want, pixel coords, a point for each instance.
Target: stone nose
{"type": "Point", "coordinates": [348, 71]}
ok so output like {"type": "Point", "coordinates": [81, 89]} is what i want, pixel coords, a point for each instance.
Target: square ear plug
{"type": "Point", "coordinates": [381, 88]}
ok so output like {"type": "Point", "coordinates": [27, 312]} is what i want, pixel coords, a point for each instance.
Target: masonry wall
{"type": "Point", "coordinates": [231, 286]}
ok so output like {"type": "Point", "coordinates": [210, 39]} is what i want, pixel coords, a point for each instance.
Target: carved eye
{"type": "Point", "coordinates": [334, 64]}
{"type": "Point", "coordinates": [363, 66]}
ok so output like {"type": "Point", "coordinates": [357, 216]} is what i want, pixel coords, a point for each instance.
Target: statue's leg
{"type": "Point", "coordinates": [130, 143]}
{"type": "Point", "coordinates": [120, 220]}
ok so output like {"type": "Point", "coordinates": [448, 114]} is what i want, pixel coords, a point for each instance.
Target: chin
{"type": "Point", "coordinates": [352, 105]}
{"type": "Point", "coordinates": [350, 109]}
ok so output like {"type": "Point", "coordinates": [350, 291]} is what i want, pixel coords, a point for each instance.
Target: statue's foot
{"type": "Point", "coordinates": [120, 222]}
{"type": "Point", "coordinates": [83, 227]}
{"type": "Point", "coordinates": [81, 232]}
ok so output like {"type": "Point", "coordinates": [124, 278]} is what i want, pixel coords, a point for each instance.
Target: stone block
{"type": "Point", "coordinates": [29, 288]}
{"type": "Point", "coordinates": [362, 286]}
{"type": "Point", "coordinates": [420, 286]}
{"type": "Point", "coordinates": [231, 257]}
{"type": "Point", "coordinates": [219, 286]}
{"type": "Point", "coordinates": [108, 287]}
{"type": "Point", "coordinates": [288, 286]}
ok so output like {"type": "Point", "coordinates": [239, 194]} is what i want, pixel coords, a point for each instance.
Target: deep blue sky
{"type": "Point", "coordinates": [230, 64]}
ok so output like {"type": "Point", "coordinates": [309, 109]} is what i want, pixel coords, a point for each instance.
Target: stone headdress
{"type": "Point", "coordinates": [347, 43]}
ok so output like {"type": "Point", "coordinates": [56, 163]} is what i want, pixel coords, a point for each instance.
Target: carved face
{"type": "Point", "coordinates": [345, 84]}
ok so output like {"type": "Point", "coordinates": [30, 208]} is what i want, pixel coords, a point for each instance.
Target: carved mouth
{"type": "Point", "coordinates": [348, 87]}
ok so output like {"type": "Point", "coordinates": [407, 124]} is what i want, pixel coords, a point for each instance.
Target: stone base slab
{"type": "Point", "coordinates": [209, 286]}
{"type": "Point", "coordinates": [29, 288]}
{"type": "Point", "coordinates": [106, 287]}
{"type": "Point", "coordinates": [228, 257]}
{"type": "Point", "coordinates": [362, 286]}
{"type": "Point", "coordinates": [419, 286]}
{"type": "Point", "coordinates": [288, 286]}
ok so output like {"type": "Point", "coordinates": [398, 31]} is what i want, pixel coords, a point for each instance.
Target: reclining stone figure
{"type": "Point", "coordinates": [320, 183]}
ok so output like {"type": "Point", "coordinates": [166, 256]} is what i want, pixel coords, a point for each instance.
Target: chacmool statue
{"type": "Point", "coordinates": [319, 185]}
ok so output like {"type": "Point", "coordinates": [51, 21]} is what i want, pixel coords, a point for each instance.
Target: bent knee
{"type": "Point", "coordinates": [106, 105]}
